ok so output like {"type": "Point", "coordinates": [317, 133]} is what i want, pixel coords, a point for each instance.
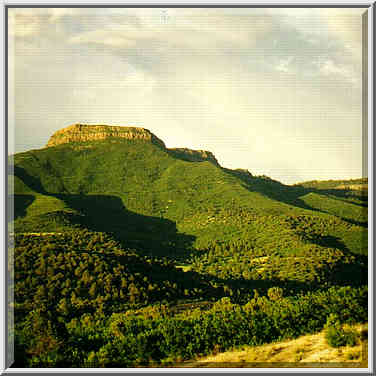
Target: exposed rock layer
{"type": "Point", "coordinates": [85, 133]}
{"type": "Point", "coordinates": [194, 155]}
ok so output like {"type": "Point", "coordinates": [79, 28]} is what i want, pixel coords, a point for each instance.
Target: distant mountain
{"type": "Point", "coordinates": [350, 184]}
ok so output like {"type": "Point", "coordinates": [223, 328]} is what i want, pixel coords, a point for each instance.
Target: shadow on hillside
{"type": "Point", "coordinates": [155, 236]}
{"type": "Point", "coordinates": [327, 241]}
{"type": "Point", "coordinates": [356, 270]}
{"type": "Point", "coordinates": [158, 237]}
{"type": "Point", "coordinates": [342, 274]}
{"type": "Point", "coordinates": [20, 204]}
{"type": "Point", "coordinates": [271, 188]}
{"type": "Point", "coordinates": [30, 181]}
{"type": "Point", "coordinates": [343, 194]}
{"type": "Point", "coordinates": [290, 194]}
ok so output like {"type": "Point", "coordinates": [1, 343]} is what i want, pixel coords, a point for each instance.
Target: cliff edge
{"type": "Point", "coordinates": [84, 133]}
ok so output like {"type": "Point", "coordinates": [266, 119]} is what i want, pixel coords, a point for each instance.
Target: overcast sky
{"type": "Point", "coordinates": [275, 91]}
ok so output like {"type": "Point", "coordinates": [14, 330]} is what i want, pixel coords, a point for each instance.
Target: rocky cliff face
{"type": "Point", "coordinates": [83, 133]}
{"type": "Point", "coordinates": [194, 155]}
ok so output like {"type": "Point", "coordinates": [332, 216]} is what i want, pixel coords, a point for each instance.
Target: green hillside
{"type": "Point", "coordinates": [361, 183]}
{"type": "Point", "coordinates": [179, 230]}
{"type": "Point", "coordinates": [134, 176]}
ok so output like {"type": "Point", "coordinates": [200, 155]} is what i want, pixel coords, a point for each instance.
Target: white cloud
{"type": "Point", "coordinates": [24, 24]}
{"type": "Point", "coordinates": [330, 68]}
{"type": "Point", "coordinates": [283, 65]}
{"type": "Point", "coordinates": [55, 14]}
{"type": "Point", "coordinates": [212, 33]}
{"type": "Point", "coordinates": [256, 87]}
{"type": "Point", "coordinates": [105, 37]}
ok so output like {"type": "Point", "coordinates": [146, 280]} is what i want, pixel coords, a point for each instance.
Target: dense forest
{"type": "Point", "coordinates": [129, 254]}
{"type": "Point", "coordinates": [83, 301]}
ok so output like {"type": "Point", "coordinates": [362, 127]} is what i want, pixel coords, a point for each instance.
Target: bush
{"type": "Point", "coordinates": [275, 293]}
{"type": "Point", "coordinates": [336, 336]}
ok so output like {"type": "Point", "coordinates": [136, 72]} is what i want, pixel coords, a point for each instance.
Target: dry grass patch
{"type": "Point", "coordinates": [310, 351]}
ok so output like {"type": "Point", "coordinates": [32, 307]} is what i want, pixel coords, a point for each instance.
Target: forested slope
{"type": "Point", "coordinates": [107, 228]}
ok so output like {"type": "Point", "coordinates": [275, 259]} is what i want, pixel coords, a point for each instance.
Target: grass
{"type": "Point", "coordinates": [45, 204]}
{"type": "Point", "coordinates": [306, 351]}
{"type": "Point", "coordinates": [334, 184]}
{"type": "Point", "coordinates": [344, 210]}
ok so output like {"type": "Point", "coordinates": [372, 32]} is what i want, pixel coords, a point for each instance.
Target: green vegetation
{"type": "Point", "coordinates": [332, 184]}
{"type": "Point", "coordinates": [127, 254]}
{"type": "Point", "coordinates": [336, 335]}
{"type": "Point", "coordinates": [345, 210]}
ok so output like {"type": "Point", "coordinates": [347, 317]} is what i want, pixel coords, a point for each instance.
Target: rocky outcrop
{"type": "Point", "coordinates": [242, 172]}
{"type": "Point", "coordinates": [84, 133]}
{"type": "Point", "coordinates": [194, 155]}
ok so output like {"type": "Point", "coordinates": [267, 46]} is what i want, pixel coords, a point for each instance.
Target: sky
{"type": "Point", "coordinates": [277, 91]}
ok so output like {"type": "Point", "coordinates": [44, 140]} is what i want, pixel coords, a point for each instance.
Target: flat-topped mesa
{"type": "Point", "coordinates": [85, 132]}
{"type": "Point", "coordinates": [194, 155]}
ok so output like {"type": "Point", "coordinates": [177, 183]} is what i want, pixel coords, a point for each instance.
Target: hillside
{"type": "Point", "coordinates": [303, 352]}
{"type": "Point", "coordinates": [154, 225]}
{"type": "Point", "coordinates": [351, 184]}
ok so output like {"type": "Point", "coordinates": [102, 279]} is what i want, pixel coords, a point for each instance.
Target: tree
{"type": "Point", "coordinates": [275, 293]}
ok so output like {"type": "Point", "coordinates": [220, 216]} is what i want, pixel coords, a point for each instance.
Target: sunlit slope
{"type": "Point", "coordinates": [336, 206]}
{"type": "Point", "coordinates": [354, 191]}
{"type": "Point", "coordinates": [147, 180]}
{"type": "Point", "coordinates": [113, 185]}
{"type": "Point", "coordinates": [355, 184]}
{"type": "Point", "coordinates": [147, 177]}
{"type": "Point", "coordinates": [303, 352]}
{"type": "Point", "coordinates": [36, 211]}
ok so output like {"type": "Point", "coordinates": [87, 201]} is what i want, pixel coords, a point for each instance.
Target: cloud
{"type": "Point", "coordinates": [25, 24]}
{"type": "Point", "coordinates": [254, 86]}
{"type": "Point", "coordinates": [283, 65]}
{"type": "Point", "coordinates": [331, 69]}
{"type": "Point", "coordinates": [55, 14]}
{"type": "Point", "coordinates": [210, 32]}
{"type": "Point", "coordinates": [105, 37]}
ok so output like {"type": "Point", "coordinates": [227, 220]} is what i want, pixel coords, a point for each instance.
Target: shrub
{"type": "Point", "coordinates": [336, 336]}
{"type": "Point", "coordinates": [275, 293]}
